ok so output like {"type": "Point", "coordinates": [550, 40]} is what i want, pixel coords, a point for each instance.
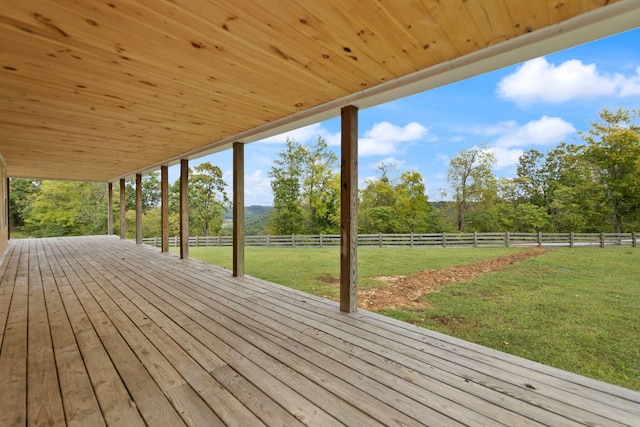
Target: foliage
{"type": "Point", "coordinates": [613, 148]}
{"type": "Point", "coordinates": [305, 189]}
{"type": "Point", "coordinates": [395, 206]}
{"type": "Point", "coordinates": [208, 199]}
{"type": "Point", "coordinates": [65, 208]}
{"type": "Point", "coordinates": [20, 197]}
{"type": "Point", "coordinates": [470, 175]}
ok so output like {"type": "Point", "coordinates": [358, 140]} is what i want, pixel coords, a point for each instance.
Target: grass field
{"type": "Point", "coordinates": [575, 309]}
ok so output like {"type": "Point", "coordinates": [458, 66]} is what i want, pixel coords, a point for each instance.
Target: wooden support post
{"type": "Point", "coordinates": [110, 208]}
{"type": "Point", "coordinates": [123, 209]}
{"type": "Point", "coordinates": [602, 240]}
{"type": "Point", "coordinates": [238, 209]}
{"type": "Point", "coordinates": [571, 239]}
{"type": "Point", "coordinates": [475, 239]}
{"type": "Point", "coordinates": [8, 212]}
{"type": "Point", "coordinates": [138, 209]}
{"type": "Point", "coordinates": [184, 208]}
{"type": "Point", "coordinates": [507, 239]}
{"type": "Point", "coordinates": [164, 208]}
{"type": "Point", "coordinates": [539, 239]}
{"type": "Point", "coordinates": [633, 239]}
{"type": "Point", "coordinates": [349, 210]}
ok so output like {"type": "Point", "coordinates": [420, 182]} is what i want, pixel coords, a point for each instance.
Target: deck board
{"type": "Point", "coordinates": [99, 331]}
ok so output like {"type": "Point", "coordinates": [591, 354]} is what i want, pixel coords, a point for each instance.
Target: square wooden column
{"type": "Point", "coordinates": [164, 207]}
{"type": "Point", "coordinates": [138, 209]}
{"type": "Point", "coordinates": [238, 209]}
{"type": "Point", "coordinates": [184, 208]}
{"type": "Point", "coordinates": [8, 213]}
{"type": "Point", "coordinates": [123, 209]}
{"type": "Point", "coordinates": [349, 210]}
{"type": "Point", "coordinates": [110, 208]}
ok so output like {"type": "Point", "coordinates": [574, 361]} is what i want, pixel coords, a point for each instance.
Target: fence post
{"type": "Point", "coordinates": [268, 241]}
{"type": "Point", "coordinates": [321, 242]}
{"type": "Point", "coordinates": [444, 239]}
{"type": "Point", "coordinates": [602, 240]}
{"type": "Point", "coordinates": [197, 241]}
{"type": "Point", "coordinates": [380, 239]}
{"type": "Point", "coordinates": [571, 238]}
{"type": "Point", "coordinates": [412, 239]}
{"type": "Point", "coordinates": [177, 241]}
{"type": "Point", "coordinates": [293, 240]}
{"type": "Point", "coordinates": [539, 239]}
{"type": "Point", "coordinates": [475, 239]}
{"type": "Point", "coordinates": [507, 239]}
{"type": "Point", "coordinates": [633, 239]}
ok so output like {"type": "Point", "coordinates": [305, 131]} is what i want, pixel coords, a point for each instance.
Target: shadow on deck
{"type": "Point", "coordinates": [95, 330]}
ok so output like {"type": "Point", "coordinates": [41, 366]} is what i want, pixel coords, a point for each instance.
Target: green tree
{"type": "Point", "coordinates": [531, 182]}
{"type": "Point", "coordinates": [320, 188]}
{"type": "Point", "coordinates": [574, 197]}
{"type": "Point", "coordinates": [395, 205]}
{"type": "Point", "coordinates": [613, 148]}
{"type": "Point", "coordinates": [65, 208]}
{"type": "Point", "coordinates": [306, 189]}
{"type": "Point", "coordinates": [286, 173]}
{"type": "Point", "coordinates": [208, 200]}
{"type": "Point", "coordinates": [21, 194]}
{"type": "Point", "coordinates": [470, 175]}
{"type": "Point", "coordinates": [412, 206]}
{"type": "Point", "coordinates": [377, 204]}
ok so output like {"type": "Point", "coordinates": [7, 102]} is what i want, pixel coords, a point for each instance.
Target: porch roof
{"type": "Point", "coordinates": [101, 90]}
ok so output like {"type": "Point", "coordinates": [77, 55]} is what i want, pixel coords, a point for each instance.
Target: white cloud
{"type": "Point", "coordinates": [303, 135]}
{"type": "Point", "coordinates": [506, 157]}
{"type": "Point", "coordinates": [509, 137]}
{"type": "Point", "coordinates": [631, 86]}
{"type": "Point", "coordinates": [538, 80]}
{"type": "Point", "coordinates": [385, 138]}
{"type": "Point", "coordinates": [546, 131]}
{"type": "Point", "coordinates": [257, 189]}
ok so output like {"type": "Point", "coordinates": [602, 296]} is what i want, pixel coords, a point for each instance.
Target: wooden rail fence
{"type": "Point", "coordinates": [506, 239]}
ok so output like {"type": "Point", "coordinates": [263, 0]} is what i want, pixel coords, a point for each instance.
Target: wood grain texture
{"type": "Point", "coordinates": [349, 211]}
{"type": "Point", "coordinates": [238, 209]}
{"type": "Point", "coordinates": [184, 208]}
{"type": "Point", "coordinates": [143, 338]}
{"type": "Point", "coordinates": [102, 91]}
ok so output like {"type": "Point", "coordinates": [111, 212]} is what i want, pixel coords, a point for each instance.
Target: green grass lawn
{"type": "Point", "coordinates": [575, 309]}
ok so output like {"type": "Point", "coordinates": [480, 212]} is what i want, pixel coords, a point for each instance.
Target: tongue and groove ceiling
{"type": "Point", "coordinates": [98, 90]}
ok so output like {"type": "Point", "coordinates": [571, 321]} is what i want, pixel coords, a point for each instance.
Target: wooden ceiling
{"type": "Point", "coordinates": [98, 90]}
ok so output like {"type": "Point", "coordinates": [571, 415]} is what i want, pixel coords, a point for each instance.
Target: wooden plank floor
{"type": "Point", "coordinates": [98, 331]}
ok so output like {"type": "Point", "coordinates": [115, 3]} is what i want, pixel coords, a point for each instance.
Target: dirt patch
{"type": "Point", "coordinates": [407, 291]}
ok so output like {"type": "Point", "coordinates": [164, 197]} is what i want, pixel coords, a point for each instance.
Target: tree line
{"type": "Point", "coordinates": [64, 208]}
{"type": "Point", "coordinates": [589, 187]}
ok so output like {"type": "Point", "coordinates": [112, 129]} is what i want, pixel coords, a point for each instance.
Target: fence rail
{"type": "Point", "coordinates": [506, 239]}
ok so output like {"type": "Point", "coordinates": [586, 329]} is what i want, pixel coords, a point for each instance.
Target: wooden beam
{"type": "Point", "coordinates": [8, 212]}
{"type": "Point", "coordinates": [123, 209]}
{"type": "Point", "coordinates": [110, 209]}
{"type": "Point", "coordinates": [238, 209]}
{"type": "Point", "coordinates": [138, 209]}
{"type": "Point", "coordinates": [349, 210]}
{"type": "Point", "coordinates": [164, 210]}
{"type": "Point", "coordinates": [184, 208]}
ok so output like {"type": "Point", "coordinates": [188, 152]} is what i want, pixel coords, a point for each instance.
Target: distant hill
{"type": "Point", "coordinates": [255, 220]}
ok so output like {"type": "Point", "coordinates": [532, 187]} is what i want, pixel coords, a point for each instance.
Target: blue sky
{"type": "Point", "coordinates": [536, 104]}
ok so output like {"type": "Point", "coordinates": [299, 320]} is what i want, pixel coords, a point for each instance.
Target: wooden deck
{"type": "Point", "coordinates": [95, 330]}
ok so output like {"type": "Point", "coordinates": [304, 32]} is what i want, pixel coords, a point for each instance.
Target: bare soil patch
{"type": "Point", "coordinates": [408, 290]}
